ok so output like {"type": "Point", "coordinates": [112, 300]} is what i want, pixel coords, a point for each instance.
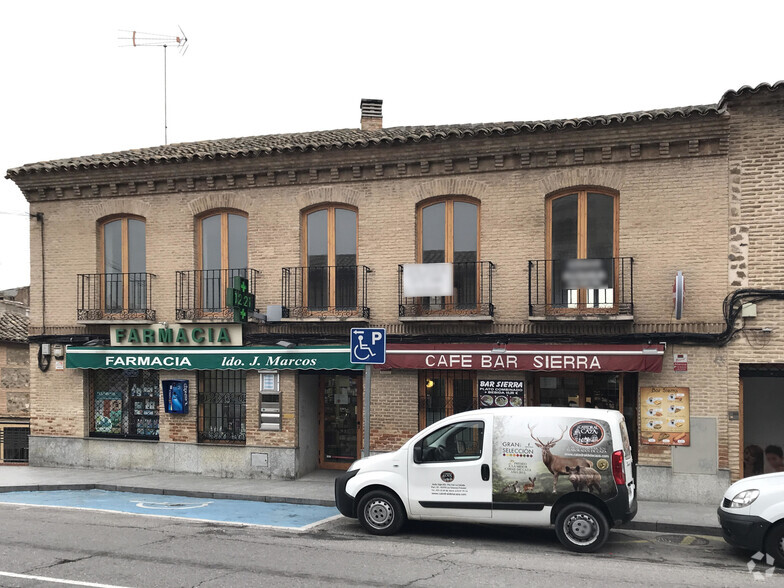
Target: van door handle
{"type": "Point", "coordinates": [485, 472]}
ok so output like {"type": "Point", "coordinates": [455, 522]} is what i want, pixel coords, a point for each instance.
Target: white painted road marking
{"type": "Point", "coordinates": [169, 505]}
{"type": "Point", "coordinates": [59, 580]}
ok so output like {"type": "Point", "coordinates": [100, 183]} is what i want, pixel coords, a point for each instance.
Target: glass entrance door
{"type": "Point", "coordinates": [585, 390]}
{"type": "Point", "coordinates": [340, 420]}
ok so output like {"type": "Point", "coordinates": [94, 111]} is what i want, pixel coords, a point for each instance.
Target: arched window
{"type": "Point", "coordinates": [582, 249]}
{"type": "Point", "coordinates": [222, 239]}
{"type": "Point", "coordinates": [448, 232]}
{"type": "Point", "coordinates": [329, 238]}
{"type": "Point", "coordinates": [123, 265]}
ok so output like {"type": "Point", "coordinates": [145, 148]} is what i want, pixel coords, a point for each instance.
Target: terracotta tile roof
{"type": "Point", "coordinates": [746, 90]}
{"type": "Point", "coordinates": [13, 327]}
{"type": "Point", "coordinates": [339, 139]}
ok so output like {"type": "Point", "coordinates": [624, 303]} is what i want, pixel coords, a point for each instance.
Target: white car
{"type": "Point", "coordinates": [752, 515]}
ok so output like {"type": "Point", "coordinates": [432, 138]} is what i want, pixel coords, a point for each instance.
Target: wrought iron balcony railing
{"type": "Point", "coordinates": [581, 287]}
{"type": "Point", "coordinates": [201, 294]}
{"type": "Point", "coordinates": [114, 297]}
{"type": "Point", "coordinates": [324, 291]}
{"type": "Point", "coordinates": [472, 294]}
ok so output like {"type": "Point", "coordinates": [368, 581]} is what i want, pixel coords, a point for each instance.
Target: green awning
{"type": "Point", "coordinates": [214, 358]}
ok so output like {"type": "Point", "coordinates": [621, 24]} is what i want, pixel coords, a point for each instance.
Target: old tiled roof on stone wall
{"type": "Point", "coordinates": [13, 327]}
{"type": "Point", "coordinates": [337, 139]}
{"type": "Point", "coordinates": [747, 90]}
{"type": "Point", "coordinates": [356, 138]}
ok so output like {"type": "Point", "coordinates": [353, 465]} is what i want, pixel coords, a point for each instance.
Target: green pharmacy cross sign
{"type": "Point", "coordinates": [240, 299]}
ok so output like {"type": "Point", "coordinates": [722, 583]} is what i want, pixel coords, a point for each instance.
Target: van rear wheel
{"type": "Point", "coordinates": [381, 513]}
{"type": "Point", "coordinates": [582, 527]}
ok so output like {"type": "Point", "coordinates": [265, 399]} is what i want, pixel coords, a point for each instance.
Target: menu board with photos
{"type": "Point", "coordinates": [499, 393]}
{"type": "Point", "coordinates": [664, 416]}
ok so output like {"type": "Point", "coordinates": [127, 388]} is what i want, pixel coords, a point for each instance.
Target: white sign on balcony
{"type": "Point", "coordinates": [427, 279]}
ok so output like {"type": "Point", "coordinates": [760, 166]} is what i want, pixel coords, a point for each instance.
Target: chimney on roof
{"type": "Point", "coordinates": [371, 114]}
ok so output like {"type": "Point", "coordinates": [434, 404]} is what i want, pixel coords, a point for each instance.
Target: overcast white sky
{"type": "Point", "coordinates": [261, 67]}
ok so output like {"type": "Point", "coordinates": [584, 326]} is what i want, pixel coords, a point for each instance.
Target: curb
{"type": "Point", "coordinates": [170, 492]}
{"type": "Point", "coordinates": [672, 528]}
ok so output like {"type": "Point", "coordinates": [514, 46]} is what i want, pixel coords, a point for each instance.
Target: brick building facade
{"type": "Point", "coordinates": [560, 241]}
{"type": "Point", "coordinates": [14, 377]}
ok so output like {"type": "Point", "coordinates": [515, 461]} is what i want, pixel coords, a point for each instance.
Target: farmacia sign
{"type": "Point", "coordinates": [163, 334]}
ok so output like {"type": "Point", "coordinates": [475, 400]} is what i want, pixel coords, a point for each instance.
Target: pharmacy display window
{"type": "Point", "coordinates": [124, 403]}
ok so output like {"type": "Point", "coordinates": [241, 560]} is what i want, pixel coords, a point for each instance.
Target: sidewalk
{"type": "Point", "coordinates": [314, 488]}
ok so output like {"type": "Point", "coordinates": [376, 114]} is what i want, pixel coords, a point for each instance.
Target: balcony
{"type": "Point", "coordinates": [471, 300]}
{"type": "Point", "coordinates": [114, 298]}
{"type": "Point", "coordinates": [584, 289]}
{"type": "Point", "coordinates": [201, 294]}
{"type": "Point", "coordinates": [325, 293]}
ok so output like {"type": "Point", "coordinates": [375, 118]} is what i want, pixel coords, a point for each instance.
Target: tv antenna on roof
{"type": "Point", "coordinates": [139, 39]}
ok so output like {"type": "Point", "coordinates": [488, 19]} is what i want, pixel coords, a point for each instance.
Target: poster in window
{"type": "Point", "coordinates": [664, 416]}
{"type": "Point", "coordinates": [175, 396]}
{"type": "Point", "coordinates": [500, 393]}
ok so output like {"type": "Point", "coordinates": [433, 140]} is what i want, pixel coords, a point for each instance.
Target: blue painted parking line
{"type": "Point", "coordinates": [241, 512]}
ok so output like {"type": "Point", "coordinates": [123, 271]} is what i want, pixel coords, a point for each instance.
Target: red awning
{"type": "Point", "coordinates": [519, 357]}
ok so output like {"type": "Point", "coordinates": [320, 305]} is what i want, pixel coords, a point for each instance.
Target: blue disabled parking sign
{"type": "Point", "coordinates": [368, 345]}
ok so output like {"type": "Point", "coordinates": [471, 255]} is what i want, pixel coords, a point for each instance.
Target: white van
{"type": "Point", "coordinates": [537, 466]}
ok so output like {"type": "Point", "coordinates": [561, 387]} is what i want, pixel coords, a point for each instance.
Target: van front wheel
{"type": "Point", "coordinates": [381, 513]}
{"type": "Point", "coordinates": [582, 528]}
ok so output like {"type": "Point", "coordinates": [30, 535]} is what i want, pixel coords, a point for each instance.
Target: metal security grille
{"type": "Point", "coordinates": [444, 393]}
{"type": "Point", "coordinates": [14, 441]}
{"type": "Point", "coordinates": [124, 403]}
{"type": "Point", "coordinates": [222, 406]}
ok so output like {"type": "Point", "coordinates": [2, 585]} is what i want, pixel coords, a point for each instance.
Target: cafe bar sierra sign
{"type": "Point", "coordinates": [171, 334]}
{"type": "Point", "coordinates": [522, 357]}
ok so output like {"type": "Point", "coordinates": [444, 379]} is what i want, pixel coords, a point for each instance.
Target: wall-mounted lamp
{"type": "Point", "coordinates": [286, 344]}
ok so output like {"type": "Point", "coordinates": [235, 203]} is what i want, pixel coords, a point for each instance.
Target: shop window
{"type": "Point", "coordinates": [221, 406]}
{"type": "Point", "coordinates": [582, 250]}
{"type": "Point", "coordinates": [448, 232]}
{"type": "Point", "coordinates": [586, 390]}
{"type": "Point", "coordinates": [124, 403]}
{"type": "Point", "coordinates": [269, 401]}
{"type": "Point", "coordinates": [330, 258]}
{"type": "Point", "coordinates": [123, 265]}
{"type": "Point", "coordinates": [223, 254]}
{"type": "Point", "coordinates": [444, 393]}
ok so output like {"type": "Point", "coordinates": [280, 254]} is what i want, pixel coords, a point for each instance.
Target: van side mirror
{"type": "Point", "coordinates": [418, 453]}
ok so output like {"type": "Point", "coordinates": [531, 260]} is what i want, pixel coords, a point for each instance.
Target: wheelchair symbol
{"type": "Point", "coordinates": [361, 346]}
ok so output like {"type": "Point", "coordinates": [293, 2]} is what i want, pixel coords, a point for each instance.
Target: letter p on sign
{"type": "Point", "coordinates": [368, 346]}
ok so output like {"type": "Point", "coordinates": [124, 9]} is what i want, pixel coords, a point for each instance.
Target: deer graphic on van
{"type": "Point", "coordinates": [555, 463]}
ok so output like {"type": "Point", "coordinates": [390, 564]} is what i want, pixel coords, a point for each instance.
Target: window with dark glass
{"type": "Point", "coordinates": [124, 283]}
{"type": "Point", "coordinates": [443, 393]}
{"type": "Point", "coordinates": [448, 233]}
{"type": "Point", "coordinates": [330, 256]}
{"type": "Point", "coordinates": [583, 250]}
{"type": "Point", "coordinates": [223, 244]}
{"type": "Point", "coordinates": [455, 442]}
{"type": "Point", "coordinates": [222, 406]}
{"type": "Point", "coordinates": [124, 403]}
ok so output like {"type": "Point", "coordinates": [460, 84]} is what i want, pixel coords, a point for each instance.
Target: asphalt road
{"type": "Point", "coordinates": [96, 548]}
